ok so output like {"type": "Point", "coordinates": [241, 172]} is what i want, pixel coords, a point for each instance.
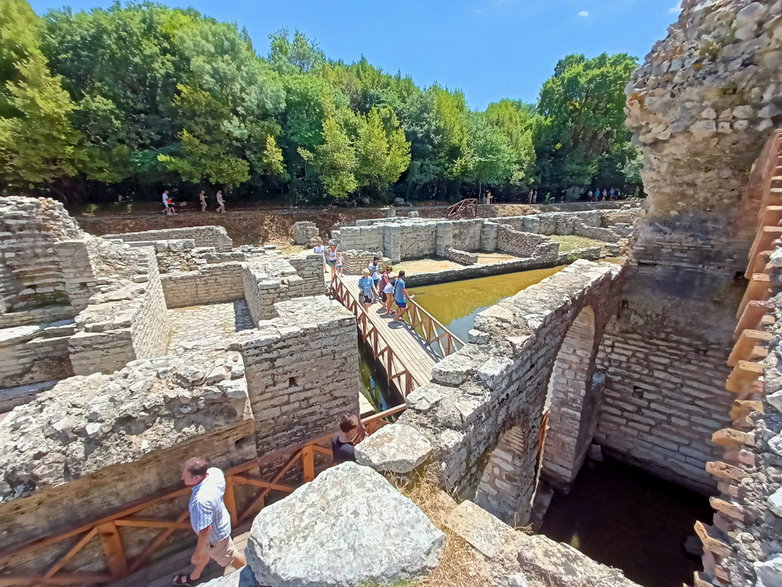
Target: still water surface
{"type": "Point", "coordinates": [456, 304]}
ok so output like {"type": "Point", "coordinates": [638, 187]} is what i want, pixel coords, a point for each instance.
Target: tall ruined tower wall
{"type": "Point", "coordinates": [701, 107]}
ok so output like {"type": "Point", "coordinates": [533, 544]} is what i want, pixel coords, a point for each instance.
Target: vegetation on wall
{"type": "Point", "coordinates": [128, 99]}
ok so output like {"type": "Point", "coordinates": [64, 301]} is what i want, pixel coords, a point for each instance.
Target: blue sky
{"type": "Point", "coordinates": [490, 49]}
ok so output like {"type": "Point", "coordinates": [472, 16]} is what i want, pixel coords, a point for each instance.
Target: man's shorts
{"type": "Point", "coordinates": [223, 552]}
{"type": "Point", "coordinates": [401, 305]}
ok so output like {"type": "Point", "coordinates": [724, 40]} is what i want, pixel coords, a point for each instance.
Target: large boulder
{"type": "Point", "coordinates": [347, 527]}
{"type": "Point", "coordinates": [396, 449]}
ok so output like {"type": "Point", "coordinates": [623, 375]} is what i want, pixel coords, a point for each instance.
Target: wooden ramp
{"type": "Point", "coordinates": [407, 350]}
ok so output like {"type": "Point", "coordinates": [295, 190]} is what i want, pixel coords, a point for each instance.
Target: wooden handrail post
{"type": "Point", "coordinates": [114, 550]}
{"type": "Point", "coordinates": [308, 463]}
{"type": "Point", "coordinates": [230, 501]}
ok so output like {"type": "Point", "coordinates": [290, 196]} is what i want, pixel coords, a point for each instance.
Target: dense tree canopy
{"type": "Point", "coordinates": [135, 97]}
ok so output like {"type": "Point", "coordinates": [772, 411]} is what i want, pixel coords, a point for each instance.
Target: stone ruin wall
{"type": "Point", "coordinates": [701, 107]}
{"type": "Point", "coordinates": [404, 238]}
{"type": "Point", "coordinates": [490, 396]}
{"type": "Point", "coordinates": [203, 236]}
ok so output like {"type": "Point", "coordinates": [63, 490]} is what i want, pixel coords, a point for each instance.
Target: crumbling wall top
{"type": "Point", "coordinates": [85, 424]}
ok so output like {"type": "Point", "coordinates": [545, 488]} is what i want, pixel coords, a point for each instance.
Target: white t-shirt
{"type": "Point", "coordinates": [220, 198]}
{"type": "Point", "coordinates": [164, 197]}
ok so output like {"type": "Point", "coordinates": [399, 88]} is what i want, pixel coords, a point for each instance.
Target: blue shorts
{"type": "Point", "coordinates": [400, 304]}
{"type": "Point", "coordinates": [332, 263]}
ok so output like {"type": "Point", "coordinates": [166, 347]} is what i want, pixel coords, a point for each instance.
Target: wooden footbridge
{"type": "Point", "coordinates": [407, 351]}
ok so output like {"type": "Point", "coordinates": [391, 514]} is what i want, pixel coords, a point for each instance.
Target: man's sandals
{"type": "Point", "coordinates": [182, 579]}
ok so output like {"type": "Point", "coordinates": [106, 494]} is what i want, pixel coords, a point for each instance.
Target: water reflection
{"type": "Point", "coordinates": [457, 303]}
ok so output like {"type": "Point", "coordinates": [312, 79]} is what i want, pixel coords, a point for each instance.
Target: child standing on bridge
{"type": "Point", "coordinates": [366, 290]}
{"type": "Point", "coordinates": [400, 297]}
{"type": "Point", "coordinates": [373, 272]}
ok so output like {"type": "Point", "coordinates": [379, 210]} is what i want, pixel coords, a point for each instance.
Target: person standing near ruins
{"type": "Point", "coordinates": [343, 445]}
{"type": "Point", "coordinates": [164, 197]}
{"type": "Point", "coordinates": [400, 297]}
{"type": "Point", "coordinates": [331, 258]}
{"type": "Point", "coordinates": [373, 267]}
{"type": "Point", "coordinates": [220, 201]}
{"type": "Point", "coordinates": [209, 519]}
{"type": "Point", "coordinates": [387, 288]}
{"type": "Point", "coordinates": [366, 287]}
{"type": "Point", "coordinates": [202, 197]}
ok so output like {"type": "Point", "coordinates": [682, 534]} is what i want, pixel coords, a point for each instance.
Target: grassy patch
{"type": "Point", "coordinates": [571, 242]}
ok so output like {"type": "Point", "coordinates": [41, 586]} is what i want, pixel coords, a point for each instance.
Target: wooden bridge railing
{"type": "Point", "coordinates": [119, 564]}
{"type": "Point", "coordinates": [432, 331]}
{"type": "Point", "coordinates": [396, 373]}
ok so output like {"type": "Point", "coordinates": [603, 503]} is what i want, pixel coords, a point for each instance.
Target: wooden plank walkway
{"type": "Point", "coordinates": [410, 350]}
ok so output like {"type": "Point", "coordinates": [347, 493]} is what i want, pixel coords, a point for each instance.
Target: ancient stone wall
{"type": "Point", "coordinates": [94, 443]}
{"type": "Point", "coordinates": [35, 353]}
{"type": "Point", "coordinates": [701, 107]}
{"type": "Point", "coordinates": [302, 371]}
{"type": "Point", "coordinates": [125, 320]}
{"type": "Point", "coordinates": [305, 232]}
{"type": "Point", "coordinates": [526, 244]}
{"type": "Point", "coordinates": [309, 266]}
{"type": "Point", "coordinates": [202, 236]}
{"type": "Point", "coordinates": [461, 257]}
{"type": "Point", "coordinates": [211, 283]}
{"type": "Point", "coordinates": [31, 275]}
{"type": "Point", "coordinates": [501, 380]}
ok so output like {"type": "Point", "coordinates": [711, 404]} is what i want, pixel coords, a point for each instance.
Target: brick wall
{"type": "Point", "coordinates": [302, 371]}
{"type": "Point", "coordinates": [309, 266]}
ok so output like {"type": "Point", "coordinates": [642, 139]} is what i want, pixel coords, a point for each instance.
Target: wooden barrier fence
{"type": "Point", "coordinates": [119, 564]}
{"type": "Point", "coordinates": [432, 331]}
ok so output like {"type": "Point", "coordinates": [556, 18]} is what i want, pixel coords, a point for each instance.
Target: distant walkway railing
{"type": "Point", "coordinates": [396, 372]}
{"type": "Point", "coordinates": [299, 465]}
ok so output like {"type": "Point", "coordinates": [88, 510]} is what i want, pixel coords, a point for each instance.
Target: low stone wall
{"type": "Point", "coordinates": [211, 283]}
{"type": "Point", "coordinates": [202, 236]}
{"type": "Point", "coordinates": [596, 233]}
{"type": "Point", "coordinates": [461, 257]}
{"type": "Point", "coordinates": [526, 244]}
{"type": "Point", "coordinates": [472, 271]}
{"type": "Point", "coordinates": [588, 253]}
{"type": "Point", "coordinates": [32, 354]}
{"type": "Point", "coordinates": [302, 371]}
{"type": "Point", "coordinates": [354, 262]}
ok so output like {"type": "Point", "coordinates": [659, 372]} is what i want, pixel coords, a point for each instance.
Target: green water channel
{"type": "Point", "coordinates": [456, 304]}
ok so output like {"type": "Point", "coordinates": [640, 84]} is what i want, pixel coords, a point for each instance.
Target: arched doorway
{"type": "Point", "coordinates": [570, 410]}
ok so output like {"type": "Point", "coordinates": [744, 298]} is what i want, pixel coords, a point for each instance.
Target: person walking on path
{"type": "Point", "coordinates": [343, 445]}
{"type": "Point", "coordinates": [387, 289]}
{"type": "Point", "coordinates": [400, 297]}
{"type": "Point", "coordinates": [366, 287]}
{"type": "Point", "coordinates": [331, 258]}
{"type": "Point", "coordinates": [202, 197]}
{"type": "Point", "coordinates": [209, 519]}
{"type": "Point", "coordinates": [220, 201]}
{"type": "Point", "coordinates": [164, 197]}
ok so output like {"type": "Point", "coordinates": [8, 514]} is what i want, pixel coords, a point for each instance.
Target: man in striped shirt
{"type": "Point", "coordinates": [209, 518]}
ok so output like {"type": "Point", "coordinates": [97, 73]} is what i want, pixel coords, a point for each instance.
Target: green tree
{"type": "Point", "coordinates": [226, 107]}
{"type": "Point", "coordinates": [582, 110]}
{"type": "Point", "coordinates": [294, 55]}
{"type": "Point", "coordinates": [516, 121]}
{"type": "Point", "coordinates": [335, 159]}
{"type": "Point", "coordinates": [382, 149]}
{"type": "Point", "coordinates": [37, 140]}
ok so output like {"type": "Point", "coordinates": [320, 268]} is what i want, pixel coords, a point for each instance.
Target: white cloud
{"type": "Point", "coordinates": [675, 9]}
{"type": "Point", "coordinates": [583, 13]}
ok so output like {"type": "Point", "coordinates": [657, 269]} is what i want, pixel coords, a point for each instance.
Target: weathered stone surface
{"type": "Point", "coordinates": [775, 502]}
{"type": "Point", "coordinates": [347, 527]}
{"type": "Point", "coordinates": [483, 531]}
{"type": "Point", "coordinates": [85, 424]}
{"type": "Point", "coordinates": [395, 448]}
{"type": "Point", "coordinates": [769, 573]}
{"type": "Point", "coordinates": [243, 578]}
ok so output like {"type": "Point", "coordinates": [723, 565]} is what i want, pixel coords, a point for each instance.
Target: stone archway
{"type": "Point", "coordinates": [571, 403]}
